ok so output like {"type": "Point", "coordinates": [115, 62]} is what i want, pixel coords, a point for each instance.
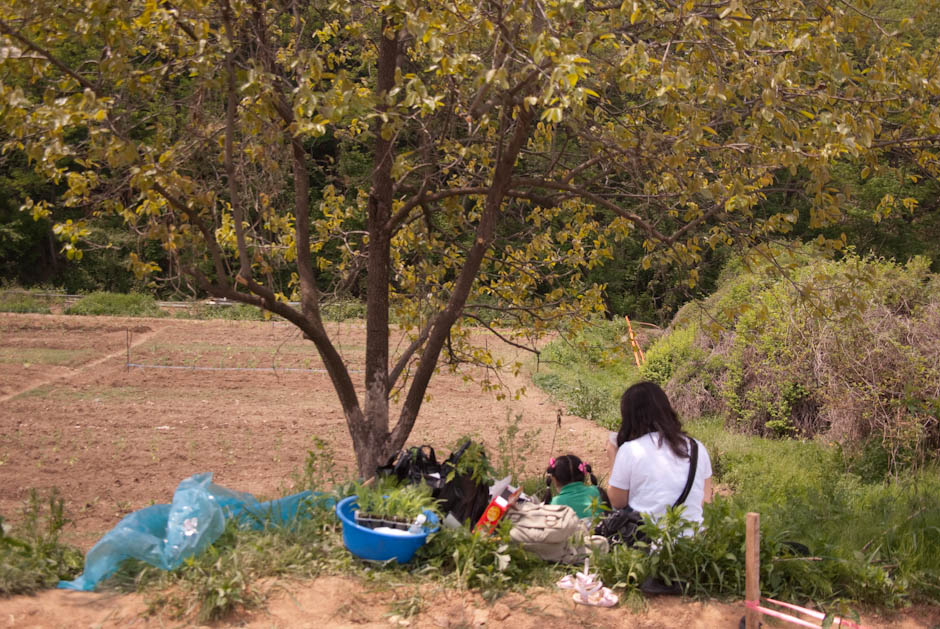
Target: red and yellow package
{"type": "Point", "coordinates": [495, 511]}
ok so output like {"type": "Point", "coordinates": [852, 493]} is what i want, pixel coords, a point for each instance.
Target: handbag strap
{"type": "Point", "coordinates": [693, 464]}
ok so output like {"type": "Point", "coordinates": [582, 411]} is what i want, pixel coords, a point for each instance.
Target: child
{"type": "Point", "coordinates": [566, 476]}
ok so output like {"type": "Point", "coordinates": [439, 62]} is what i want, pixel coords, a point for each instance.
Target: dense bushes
{"type": "Point", "coordinates": [848, 349]}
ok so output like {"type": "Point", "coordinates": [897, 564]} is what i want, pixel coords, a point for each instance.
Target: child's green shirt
{"type": "Point", "coordinates": [580, 497]}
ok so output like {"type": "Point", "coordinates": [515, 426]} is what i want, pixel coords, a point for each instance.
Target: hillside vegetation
{"type": "Point", "coordinates": [846, 350]}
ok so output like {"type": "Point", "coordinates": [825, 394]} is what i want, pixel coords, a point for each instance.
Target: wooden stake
{"type": "Point", "coordinates": [752, 569]}
{"type": "Point", "coordinates": [637, 350]}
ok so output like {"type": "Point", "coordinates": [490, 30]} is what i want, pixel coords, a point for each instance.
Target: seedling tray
{"type": "Point", "coordinates": [373, 521]}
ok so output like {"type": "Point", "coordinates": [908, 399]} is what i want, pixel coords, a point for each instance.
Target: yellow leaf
{"type": "Point", "coordinates": [635, 16]}
{"type": "Point", "coordinates": [807, 114]}
{"type": "Point", "coordinates": [710, 130]}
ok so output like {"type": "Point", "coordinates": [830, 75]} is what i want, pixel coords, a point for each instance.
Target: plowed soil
{"type": "Point", "coordinates": [115, 412]}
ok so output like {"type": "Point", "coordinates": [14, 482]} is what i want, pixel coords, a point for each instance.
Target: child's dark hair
{"type": "Point", "coordinates": [569, 469]}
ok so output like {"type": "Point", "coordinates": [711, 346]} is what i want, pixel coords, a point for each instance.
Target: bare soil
{"type": "Point", "coordinates": [115, 412]}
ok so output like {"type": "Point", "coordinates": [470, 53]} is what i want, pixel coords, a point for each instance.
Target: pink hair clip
{"type": "Point", "coordinates": [581, 467]}
{"type": "Point", "coordinates": [551, 462]}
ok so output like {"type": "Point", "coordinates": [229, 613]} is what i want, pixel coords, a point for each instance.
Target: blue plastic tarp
{"type": "Point", "coordinates": [164, 535]}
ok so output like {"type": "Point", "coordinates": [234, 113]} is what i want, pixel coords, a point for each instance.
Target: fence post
{"type": "Point", "coordinates": [752, 570]}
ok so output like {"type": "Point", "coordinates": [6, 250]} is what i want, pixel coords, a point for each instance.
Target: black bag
{"type": "Point", "coordinates": [621, 526]}
{"type": "Point", "coordinates": [416, 465]}
{"type": "Point", "coordinates": [462, 496]}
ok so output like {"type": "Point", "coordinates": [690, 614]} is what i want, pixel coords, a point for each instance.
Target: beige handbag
{"type": "Point", "coordinates": [553, 532]}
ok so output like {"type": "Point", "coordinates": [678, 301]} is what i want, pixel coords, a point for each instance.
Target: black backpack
{"type": "Point", "coordinates": [460, 494]}
{"type": "Point", "coordinates": [415, 465]}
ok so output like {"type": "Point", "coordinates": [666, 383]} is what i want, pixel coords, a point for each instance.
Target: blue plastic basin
{"type": "Point", "coordinates": [369, 544]}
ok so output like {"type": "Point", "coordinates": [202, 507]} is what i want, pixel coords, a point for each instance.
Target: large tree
{"type": "Point", "coordinates": [507, 144]}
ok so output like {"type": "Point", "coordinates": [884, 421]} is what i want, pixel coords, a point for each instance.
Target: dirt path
{"type": "Point", "coordinates": [337, 602]}
{"type": "Point", "coordinates": [114, 440]}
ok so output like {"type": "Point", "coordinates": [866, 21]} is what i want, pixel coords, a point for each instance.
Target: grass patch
{"type": "Point", "coordinates": [45, 356]}
{"type": "Point", "coordinates": [335, 310]}
{"type": "Point", "coordinates": [22, 302]}
{"type": "Point", "coordinates": [233, 312]}
{"type": "Point", "coordinates": [116, 304]}
{"type": "Point", "coordinates": [589, 372]}
{"type": "Point", "coordinates": [343, 310]}
{"type": "Point", "coordinates": [877, 542]}
{"type": "Point", "coordinates": [121, 394]}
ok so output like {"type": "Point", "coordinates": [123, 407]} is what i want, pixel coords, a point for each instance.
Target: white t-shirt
{"type": "Point", "coordinates": [655, 476]}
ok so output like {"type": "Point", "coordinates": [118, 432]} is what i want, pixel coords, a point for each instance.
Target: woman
{"type": "Point", "coordinates": [650, 457]}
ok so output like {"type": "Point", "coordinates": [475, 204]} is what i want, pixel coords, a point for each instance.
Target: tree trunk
{"type": "Point", "coordinates": [372, 442]}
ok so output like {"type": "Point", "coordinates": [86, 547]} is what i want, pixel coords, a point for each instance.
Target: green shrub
{"type": "Point", "coordinates": [669, 353]}
{"type": "Point", "coordinates": [116, 304]}
{"type": "Point", "coordinates": [485, 562]}
{"type": "Point", "coordinates": [598, 342]}
{"type": "Point", "coordinates": [877, 539]}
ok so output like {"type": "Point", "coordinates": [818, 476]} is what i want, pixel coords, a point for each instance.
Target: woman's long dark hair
{"type": "Point", "coordinates": [645, 408]}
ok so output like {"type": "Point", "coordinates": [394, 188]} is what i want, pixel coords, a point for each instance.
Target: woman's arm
{"type": "Point", "coordinates": [619, 498]}
{"type": "Point", "coordinates": [611, 454]}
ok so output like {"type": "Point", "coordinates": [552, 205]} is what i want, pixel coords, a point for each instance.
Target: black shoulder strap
{"type": "Point", "coordinates": [693, 464]}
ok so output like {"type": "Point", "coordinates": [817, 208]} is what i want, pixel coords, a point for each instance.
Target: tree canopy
{"type": "Point", "coordinates": [456, 161]}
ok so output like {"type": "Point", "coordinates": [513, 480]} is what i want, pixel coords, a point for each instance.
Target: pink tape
{"type": "Point", "coordinates": [808, 612]}
{"type": "Point", "coordinates": [787, 617]}
{"type": "Point", "coordinates": [836, 621]}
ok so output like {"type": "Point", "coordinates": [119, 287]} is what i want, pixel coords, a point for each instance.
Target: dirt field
{"type": "Point", "coordinates": [115, 438]}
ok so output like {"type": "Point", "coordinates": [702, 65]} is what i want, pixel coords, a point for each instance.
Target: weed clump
{"type": "Point", "coordinates": [31, 556]}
